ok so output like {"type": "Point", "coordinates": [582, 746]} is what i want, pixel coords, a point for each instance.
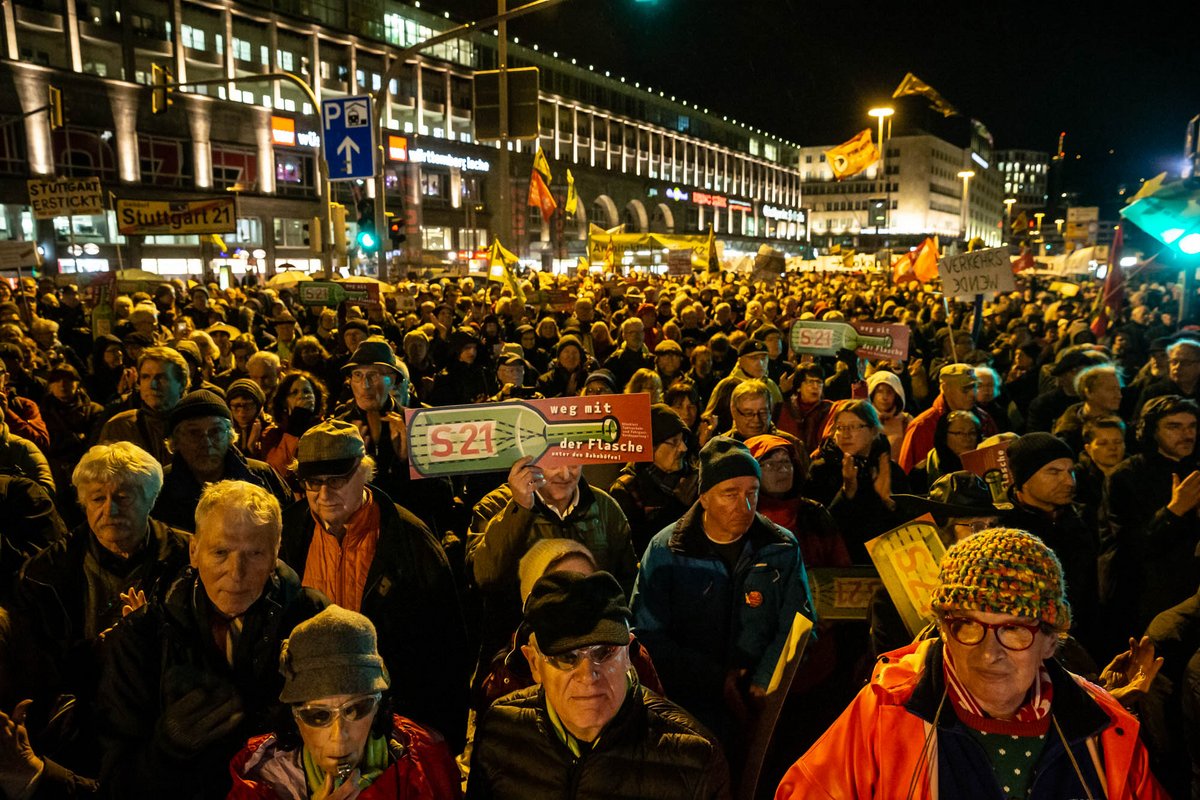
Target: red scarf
{"type": "Point", "coordinates": [1031, 719]}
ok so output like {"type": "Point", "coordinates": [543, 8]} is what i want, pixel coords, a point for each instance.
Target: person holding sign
{"type": "Point", "coordinates": [983, 709]}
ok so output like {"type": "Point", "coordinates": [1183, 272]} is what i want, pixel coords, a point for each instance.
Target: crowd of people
{"type": "Point", "coordinates": [219, 579]}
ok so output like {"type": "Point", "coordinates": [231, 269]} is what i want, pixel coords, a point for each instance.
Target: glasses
{"type": "Point", "coordinates": [850, 428]}
{"type": "Point", "coordinates": [754, 414]}
{"type": "Point", "coordinates": [216, 435]}
{"type": "Point", "coordinates": [334, 482]}
{"type": "Point", "coordinates": [782, 465]}
{"type": "Point", "coordinates": [597, 654]}
{"type": "Point", "coordinates": [975, 525]}
{"type": "Point", "coordinates": [246, 405]}
{"type": "Point", "coordinates": [351, 711]}
{"type": "Point", "coordinates": [367, 377]}
{"type": "Point", "coordinates": [1011, 635]}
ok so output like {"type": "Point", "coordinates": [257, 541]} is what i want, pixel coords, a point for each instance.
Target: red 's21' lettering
{"type": "Point", "coordinates": [474, 439]}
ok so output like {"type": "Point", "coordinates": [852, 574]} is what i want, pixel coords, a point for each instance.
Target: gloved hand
{"type": "Point", "coordinates": [197, 719]}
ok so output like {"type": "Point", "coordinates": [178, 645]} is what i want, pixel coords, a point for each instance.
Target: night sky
{"type": "Point", "coordinates": [808, 71]}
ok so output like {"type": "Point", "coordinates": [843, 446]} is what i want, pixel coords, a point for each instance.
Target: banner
{"type": "Point", "coordinates": [491, 437]}
{"type": "Point", "coordinates": [329, 293]}
{"type": "Point", "coordinates": [604, 245]}
{"type": "Point", "coordinates": [852, 157]}
{"type": "Point", "coordinates": [867, 339]}
{"type": "Point", "coordinates": [985, 272]}
{"type": "Point", "coordinates": [142, 217]}
{"type": "Point", "coordinates": [679, 262]}
{"type": "Point", "coordinates": [65, 197]}
{"type": "Point", "coordinates": [908, 558]}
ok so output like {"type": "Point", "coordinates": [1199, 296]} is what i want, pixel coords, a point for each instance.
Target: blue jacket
{"type": "Point", "coordinates": [699, 622]}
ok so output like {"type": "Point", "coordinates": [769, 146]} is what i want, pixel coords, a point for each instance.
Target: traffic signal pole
{"type": "Point", "coordinates": [381, 96]}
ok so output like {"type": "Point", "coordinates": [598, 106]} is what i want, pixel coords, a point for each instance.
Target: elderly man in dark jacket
{"type": "Point", "coordinates": [370, 555]}
{"type": "Point", "coordinates": [718, 590]}
{"type": "Point", "coordinates": [187, 681]}
{"type": "Point", "coordinates": [70, 593]}
{"type": "Point", "coordinates": [586, 730]}
{"type": "Point", "coordinates": [201, 437]}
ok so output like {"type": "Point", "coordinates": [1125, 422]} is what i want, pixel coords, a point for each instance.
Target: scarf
{"type": "Point", "coordinates": [374, 762]}
{"type": "Point", "coordinates": [1031, 719]}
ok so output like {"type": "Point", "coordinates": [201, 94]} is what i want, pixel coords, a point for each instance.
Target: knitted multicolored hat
{"type": "Point", "coordinates": [1004, 571]}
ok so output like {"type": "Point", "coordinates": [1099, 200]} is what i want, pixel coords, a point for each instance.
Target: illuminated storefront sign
{"type": "Point", "coordinates": [740, 205]}
{"type": "Point", "coordinates": [785, 214]}
{"type": "Point", "coordinates": [398, 151]}
{"type": "Point", "coordinates": [714, 200]}
{"type": "Point", "coordinates": [677, 194]}
{"type": "Point", "coordinates": [283, 131]}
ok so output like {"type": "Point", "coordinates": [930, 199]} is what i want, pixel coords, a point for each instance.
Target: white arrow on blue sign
{"type": "Point", "coordinates": [348, 138]}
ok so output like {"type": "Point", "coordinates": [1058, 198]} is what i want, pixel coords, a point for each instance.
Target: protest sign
{"type": "Point", "coordinates": [991, 464]}
{"type": "Point", "coordinates": [490, 437]}
{"type": "Point", "coordinates": [843, 592]}
{"type": "Point", "coordinates": [65, 197]}
{"type": "Point", "coordinates": [141, 217]}
{"type": "Point", "coordinates": [983, 272]}
{"type": "Point", "coordinates": [867, 339]}
{"type": "Point", "coordinates": [907, 558]}
{"type": "Point", "coordinates": [331, 293]}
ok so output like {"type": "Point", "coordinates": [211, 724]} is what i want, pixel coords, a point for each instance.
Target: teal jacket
{"type": "Point", "coordinates": [699, 621]}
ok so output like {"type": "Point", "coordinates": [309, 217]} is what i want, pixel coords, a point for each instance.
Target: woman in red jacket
{"type": "Point", "coordinates": [342, 747]}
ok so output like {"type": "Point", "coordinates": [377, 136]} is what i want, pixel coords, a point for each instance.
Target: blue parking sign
{"type": "Point", "coordinates": [348, 138]}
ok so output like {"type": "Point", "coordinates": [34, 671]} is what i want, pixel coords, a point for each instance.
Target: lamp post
{"type": "Point", "coordinates": [1008, 204]}
{"type": "Point", "coordinates": [966, 176]}
{"type": "Point", "coordinates": [881, 114]}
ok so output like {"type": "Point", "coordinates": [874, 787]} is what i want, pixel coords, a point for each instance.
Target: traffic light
{"type": "Point", "coordinates": [396, 231]}
{"type": "Point", "coordinates": [54, 104]}
{"type": "Point", "coordinates": [368, 237]}
{"type": "Point", "coordinates": [312, 235]}
{"type": "Point", "coordinates": [161, 80]}
{"type": "Point", "coordinates": [337, 215]}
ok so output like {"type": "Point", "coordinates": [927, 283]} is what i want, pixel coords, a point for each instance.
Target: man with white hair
{"type": "Point", "coordinates": [187, 681]}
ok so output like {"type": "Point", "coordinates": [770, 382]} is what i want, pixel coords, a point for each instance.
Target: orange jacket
{"type": "Point", "coordinates": [874, 749]}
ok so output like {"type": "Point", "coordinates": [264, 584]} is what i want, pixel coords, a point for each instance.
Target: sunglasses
{"type": "Point", "coordinates": [597, 654]}
{"type": "Point", "coordinates": [351, 711]}
{"type": "Point", "coordinates": [334, 482]}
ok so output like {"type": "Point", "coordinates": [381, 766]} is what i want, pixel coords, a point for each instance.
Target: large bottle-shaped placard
{"type": "Point", "coordinates": [447, 441]}
{"type": "Point", "coordinates": [829, 338]}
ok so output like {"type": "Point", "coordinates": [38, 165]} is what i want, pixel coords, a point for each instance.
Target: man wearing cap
{"type": "Point", "coordinates": [368, 554]}
{"type": "Point", "coordinates": [599, 381]}
{"type": "Point", "coordinates": [1149, 524]}
{"type": "Point", "coordinates": [717, 592]}
{"type": "Point", "coordinates": [201, 437]}
{"type": "Point", "coordinates": [668, 361]}
{"type": "Point", "coordinates": [655, 493]}
{"type": "Point", "coordinates": [186, 681]}
{"type": "Point", "coordinates": [462, 380]}
{"type": "Point", "coordinates": [285, 336]}
{"type": "Point", "coordinates": [1042, 491]}
{"type": "Point", "coordinates": [223, 335]}
{"type": "Point", "coordinates": [751, 365]}
{"type": "Point", "coordinates": [587, 730]}
{"type": "Point", "coordinates": [568, 373]}
{"type": "Point", "coordinates": [984, 709]}
{"type": "Point", "coordinates": [162, 381]}
{"type": "Point", "coordinates": [957, 393]}
{"type": "Point", "coordinates": [633, 354]}
{"type": "Point", "coordinates": [247, 407]}
{"type": "Point", "coordinates": [510, 374]}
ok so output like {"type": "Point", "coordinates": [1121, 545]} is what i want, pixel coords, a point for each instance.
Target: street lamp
{"type": "Point", "coordinates": [883, 113]}
{"type": "Point", "coordinates": [966, 176]}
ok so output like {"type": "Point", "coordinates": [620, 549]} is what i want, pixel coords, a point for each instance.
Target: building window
{"type": "Point", "coordinates": [293, 172]}
{"type": "Point", "coordinates": [241, 49]}
{"type": "Point", "coordinates": [434, 185]}
{"type": "Point", "coordinates": [437, 237]}
{"type": "Point", "coordinates": [193, 38]}
{"type": "Point", "coordinates": [163, 161]}
{"type": "Point", "coordinates": [233, 166]}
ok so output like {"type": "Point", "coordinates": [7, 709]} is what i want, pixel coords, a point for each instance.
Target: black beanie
{"type": "Point", "coordinates": [724, 458]}
{"type": "Point", "coordinates": [200, 403]}
{"type": "Point", "coordinates": [1033, 451]}
{"type": "Point", "coordinates": [664, 423]}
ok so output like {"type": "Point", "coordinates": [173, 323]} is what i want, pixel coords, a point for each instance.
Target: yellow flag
{"type": "Point", "coordinates": [218, 242]}
{"type": "Point", "coordinates": [1149, 187]}
{"type": "Point", "coordinates": [852, 157]}
{"type": "Point", "coordinates": [714, 261]}
{"type": "Point", "coordinates": [500, 268]}
{"type": "Point", "coordinates": [541, 166]}
{"type": "Point", "coordinates": [572, 198]}
{"type": "Point", "coordinates": [914, 85]}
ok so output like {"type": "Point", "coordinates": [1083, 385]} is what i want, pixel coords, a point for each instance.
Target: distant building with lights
{"type": "Point", "coordinates": [1026, 176]}
{"type": "Point", "coordinates": [639, 158]}
{"type": "Point", "coordinates": [923, 194]}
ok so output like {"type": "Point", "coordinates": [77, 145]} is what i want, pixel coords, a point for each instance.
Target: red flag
{"type": "Point", "coordinates": [1024, 261]}
{"type": "Point", "coordinates": [1113, 295]}
{"type": "Point", "coordinates": [539, 195]}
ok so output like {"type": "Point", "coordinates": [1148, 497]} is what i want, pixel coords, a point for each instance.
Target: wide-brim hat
{"type": "Point", "coordinates": [373, 352]}
{"type": "Point", "coordinates": [225, 328]}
